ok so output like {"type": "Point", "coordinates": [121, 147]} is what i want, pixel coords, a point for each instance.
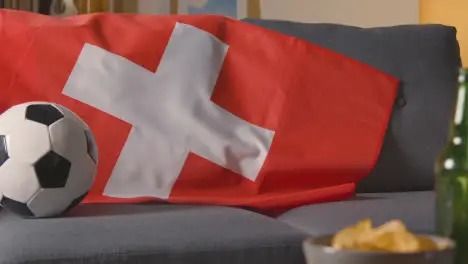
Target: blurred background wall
{"type": "Point", "coordinates": [362, 13]}
{"type": "Point", "coordinates": [448, 12]}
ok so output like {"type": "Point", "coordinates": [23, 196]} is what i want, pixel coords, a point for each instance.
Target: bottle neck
{"type": "Point", "coordinates": [460, 119]}
{"type": "Point", "coordinates": [455, 155]}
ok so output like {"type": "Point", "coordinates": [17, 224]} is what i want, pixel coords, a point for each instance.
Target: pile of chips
{"type": "Point", "coordinates": [392, 236]}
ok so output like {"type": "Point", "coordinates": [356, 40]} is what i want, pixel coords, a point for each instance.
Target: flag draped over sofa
{"type": "Point", "coordinates": [202, 109]}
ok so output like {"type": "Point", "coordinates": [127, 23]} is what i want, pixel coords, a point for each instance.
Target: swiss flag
{"type": "Point", "coordinates": [202, 109]}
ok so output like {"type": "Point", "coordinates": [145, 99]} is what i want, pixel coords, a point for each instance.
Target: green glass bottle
{"type": "Point", "coordinates": [452, 177]}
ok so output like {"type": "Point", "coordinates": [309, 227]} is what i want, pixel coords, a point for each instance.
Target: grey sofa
{"type": "Point", "coordinates": [425, 59]}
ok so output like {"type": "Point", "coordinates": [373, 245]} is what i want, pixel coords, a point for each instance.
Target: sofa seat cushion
{"type": "Point", "coordinates": [149, 234]}
{"type": "Point", "coordinates": [415, 209]}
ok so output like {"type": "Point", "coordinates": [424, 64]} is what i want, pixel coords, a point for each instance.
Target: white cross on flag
{"type": "Point", "coordinates": [202, 109]}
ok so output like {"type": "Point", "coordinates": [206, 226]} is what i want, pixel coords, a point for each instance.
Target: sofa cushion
{"type": "Point", "coordinates": [415, 209]}
{"type": "Point", "coordinates": [426, 59]}
{"type": "Point", "coordinates": [149, 234]}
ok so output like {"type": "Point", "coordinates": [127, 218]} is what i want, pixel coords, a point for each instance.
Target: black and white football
{"type": "Point", "coordinates": [48, 159]}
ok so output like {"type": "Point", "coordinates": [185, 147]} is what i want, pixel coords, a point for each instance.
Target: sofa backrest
{"type": "Point", "coordinates": [426, 59]}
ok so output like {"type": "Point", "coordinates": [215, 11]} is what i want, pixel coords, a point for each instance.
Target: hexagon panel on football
{"type": "Point", "coordinates": [82, 175]}
{"type": "Point", "coordinates": [67, 113]}
{"type": "Point", "coordinates": [67, 138]}
{"type": "Point", "coordinates": [28, 141]}
{"type": "Point", "coordinates": [50, 202]}
{"type": "Point", "coordinates": [18, 180]}
{"type": "Point", "coordinates": [45, 114]}
{"type": "Point", "coordinates": [52, 170]}
{"type": "Point", "coordinates": [3, 150]}
{"type": "Point", "coordinates": [11, 118]}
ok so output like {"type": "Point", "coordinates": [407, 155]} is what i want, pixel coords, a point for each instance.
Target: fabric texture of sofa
{"type": "Point", "coordinates": [424, 57]}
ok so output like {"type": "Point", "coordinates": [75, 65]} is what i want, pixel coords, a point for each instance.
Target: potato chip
{"type": "Point", "coordinates": [399, 241]}
{"type": "Point", "coordinates": [392, 236]}
{"type": "Point", "coordinates": [428, 244]}
{"type": "Point", "coordinates": [346, 238]}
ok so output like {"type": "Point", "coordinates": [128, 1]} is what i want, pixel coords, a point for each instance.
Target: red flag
{"type": "Point", "coordinates": [202, 109]}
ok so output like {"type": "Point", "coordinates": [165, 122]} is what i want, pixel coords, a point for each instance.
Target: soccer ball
{"type": "Point", "coordinates": [48, 159]}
